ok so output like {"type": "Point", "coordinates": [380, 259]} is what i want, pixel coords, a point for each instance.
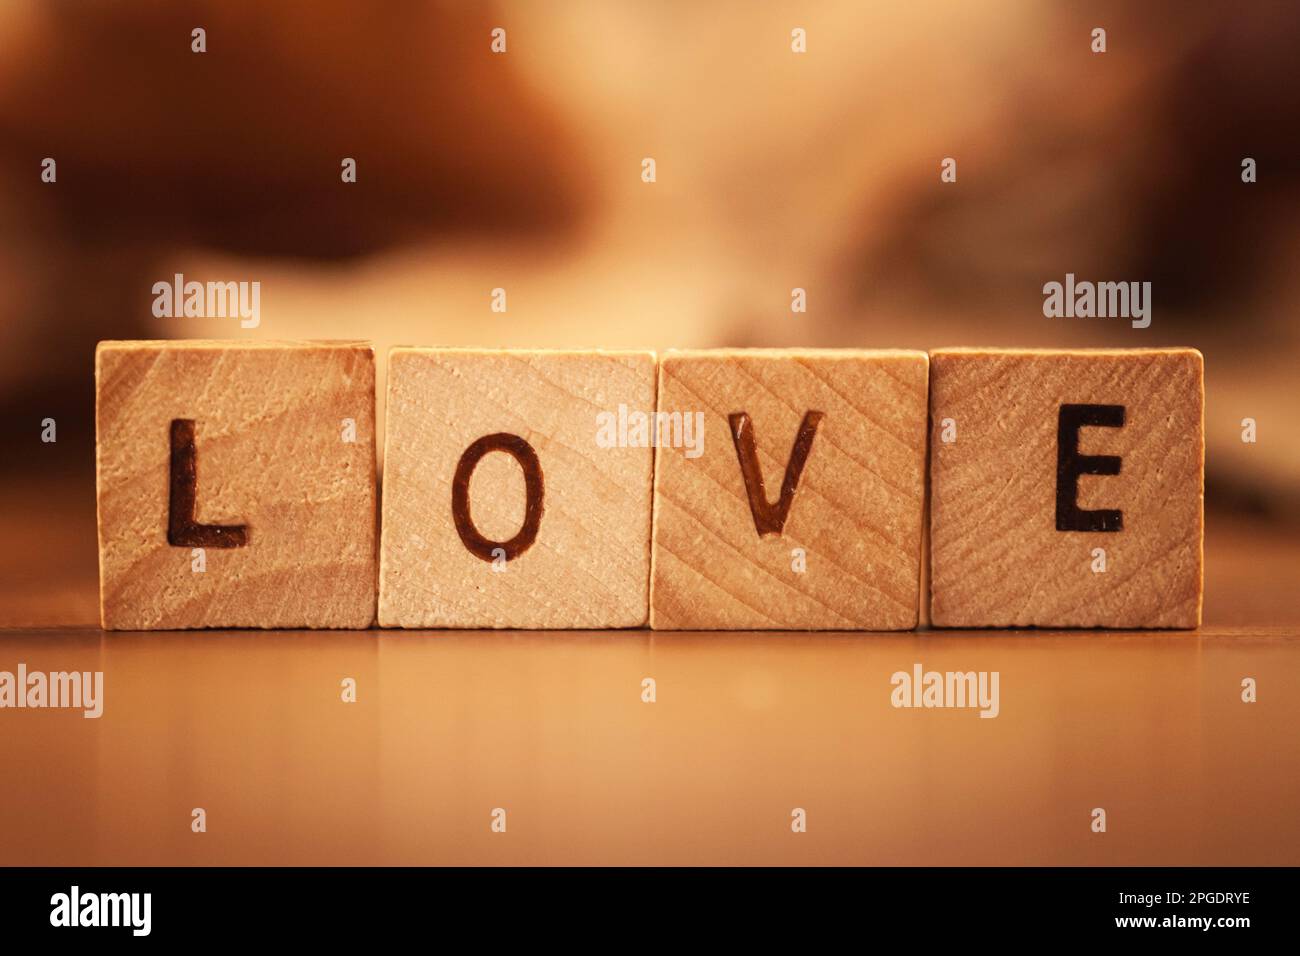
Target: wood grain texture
{"type": "Point", "coordinates": [997, 556]}
{"type": "Point", "coordinates": [588, 565]}
{"type": "Point", "coordinates": [271, 457]}
{"type": "Point", "coordinates": [856, 511]}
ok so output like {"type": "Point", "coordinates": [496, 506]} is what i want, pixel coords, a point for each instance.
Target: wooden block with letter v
{"type": "Point", "coordinates": [796, 498]}
{"type": "Point", "coordinates": [1066, 488]}
{"type": "Point", "coordinates": [236, 484]}
{"type": "Point", "coordinates": [516, 489]}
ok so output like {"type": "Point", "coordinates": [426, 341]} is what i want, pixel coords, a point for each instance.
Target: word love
{"type": "Point", "coordinates": [237, 487]}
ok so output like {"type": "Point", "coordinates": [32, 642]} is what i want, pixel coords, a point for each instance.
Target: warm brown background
{"type": "Point", "coordinates": [775, 171]}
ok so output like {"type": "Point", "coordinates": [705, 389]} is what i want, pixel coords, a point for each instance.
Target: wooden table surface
{"type": "Point", "coordinates": [551, 727]}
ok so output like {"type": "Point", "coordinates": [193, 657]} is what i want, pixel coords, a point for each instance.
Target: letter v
{"type": "Point", "coordinates": [770, 518]}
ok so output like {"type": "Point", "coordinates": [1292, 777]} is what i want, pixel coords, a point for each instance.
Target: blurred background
{"type": "Point", "coordinates": [522, 171]}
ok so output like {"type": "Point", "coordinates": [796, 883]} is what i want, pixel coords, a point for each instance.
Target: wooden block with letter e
{"type": "Point", "coordinates": [236, 484]}
{"type": "Point", "coordinates": [516, 489]}
{"type": "Point", "coordinates": [795, 497]}
{"type": "Point", "coordinates": [1066, 488]}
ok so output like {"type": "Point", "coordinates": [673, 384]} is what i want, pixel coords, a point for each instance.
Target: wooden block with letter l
{"type": "Point", "coordinates": [236, 484]}
{"type": "Point", "coordinates": [516, 489]}
{"type": "Point", "coordinates": [1066, 488]}
{"type": "Point", "coordinates": [795, 500]}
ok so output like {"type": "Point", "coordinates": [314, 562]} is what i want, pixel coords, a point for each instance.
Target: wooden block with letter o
{"type": "Point", "coordinates": [1066, 488]}
{"type": "Point", "coordinates": [796, 497]}
{"type": "Point", "coordinates": [236, 484]}
{"type": "Point", "coordinates": [516, 489]}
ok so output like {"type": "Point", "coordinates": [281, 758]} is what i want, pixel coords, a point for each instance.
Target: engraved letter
{"type": "Point", "coordinates": [182, 530]}
{"type": "Point", "coordinates": [1070, 465]}
{"type": "Point", "coordinates": [770, 518]}
{"type": "Point", "coordinates": [523, 453]}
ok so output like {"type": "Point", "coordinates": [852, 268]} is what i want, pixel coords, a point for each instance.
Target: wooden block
{"type": "Point", "coordinates": [236, 484]}
{"type": "Point", "coordinates": [1060, 461]}
{"type": "Point", "coordinates": [502, 507]}
{"type": "Point", "coordinates": [804, 509]}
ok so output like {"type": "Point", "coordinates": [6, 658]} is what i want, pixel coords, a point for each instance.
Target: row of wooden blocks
{"type": "Point", "coordinates": [720, 489]}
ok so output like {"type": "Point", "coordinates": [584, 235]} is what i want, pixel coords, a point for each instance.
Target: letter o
{"type": "Point", "coordinates": [523, 453]}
